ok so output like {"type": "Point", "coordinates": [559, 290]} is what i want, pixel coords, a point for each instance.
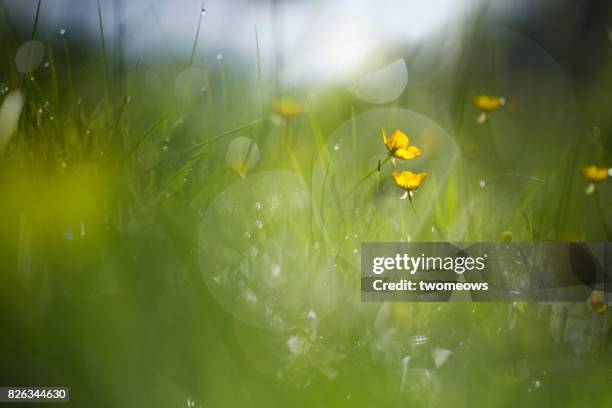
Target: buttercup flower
{"type": "Point", "coordinates": [287, 107]}
{"type": "Point", "coordinates": [486, 103]}
{"type": "Point", "coordinates": [408, 181]}
{"type": "Point", "coordinates": [594, 174]}
{"type": "Point", "coordinates": [399, 145]}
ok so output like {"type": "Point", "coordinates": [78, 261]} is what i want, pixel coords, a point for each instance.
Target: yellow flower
{"type": "Point", "coordinates": [488, 103]}
{"type": "Point", "coordinates": [399, 145]}
{"type": "Point", "coordinates": [286, 107]}
{"type": "Point", "coordinates": [409, 181]}
{"type": "Point", "coordinates": [595, 174]}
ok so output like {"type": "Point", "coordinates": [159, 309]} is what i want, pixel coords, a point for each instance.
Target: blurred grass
{"type": "Point", "coordinates": [107, 179]}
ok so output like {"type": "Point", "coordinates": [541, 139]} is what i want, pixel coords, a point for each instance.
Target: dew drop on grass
{"type": "Point", "coordinates": [610, 172]}
{"type": "Point", "coordinates": [482, 184]}
{"type": "Point", "coordinates": [219, 57]}
{"type": "Point", "coordinates": [250, 296]}
{"type": "Point", "coordinates": [203, 11]}
{"type": "Point", "coordinates": [47, 65]}
{"type": "Point", "coordinates": [259, 224]}
{"type": "Point", "coordinates": [440, 356]}
{"type": "Point", "coordinates": [297, 344]}
{"type": "Point", "coordinates": [258, 206]}
{"type": "Point", "coordinates": [164, 148]}
{"type": "Point", "coordinates": [62, 31]}
{"type": "Point", "coordinates": [337, 147]}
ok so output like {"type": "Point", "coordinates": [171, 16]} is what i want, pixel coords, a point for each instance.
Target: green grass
{"type": "Point", "coordinates": [140, 269]}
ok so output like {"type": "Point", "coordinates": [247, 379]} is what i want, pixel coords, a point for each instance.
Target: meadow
{"type": "Point", "coordinates": [186, 231]}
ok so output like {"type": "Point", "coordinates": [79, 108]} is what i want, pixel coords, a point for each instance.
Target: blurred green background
{"type": "Point", "coordinates": [180, 227]}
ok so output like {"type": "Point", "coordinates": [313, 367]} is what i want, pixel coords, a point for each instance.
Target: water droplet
{"type": "Point", "coordinates": [250, 296]}
{"type": "Point", "coordinates": [276, 270]}
{"type": "Point", "coordinates": [164, 148]}
{"type": "Point", "coordinates": [482, 183]}
{"type": "Point", "coordinates": [297, 344]}
{"type": "Point", "coordinates": [203, 11]}
{"type": "Point", "coordinates": [128, 99]}
{"type": "Point", "coordinates": [47, 65]}
{"type": "Point", "coordinates": [62, 32]}
{"type": "Point", "coordinates": [259, 224]}
{"type": "Point", "coordinates": [418, 339]}
{"type": "Point", "coordinates": [258, 206]}
{"type": "Point", "coordinates": [311, 314]}
{"type": "Point", "coordinates": [610, 172]}
{"type": "Point", "coordinates": [355, 250]}
{"type": "Point", "coordinates": [337, 147]}
{"type": "Point", "coordinates": [31, 78]}
{"type": "Point", "coordinates": [440, 356]}
{"type": "Point", "coordinates": [219, 57]}
{"type": "Point", "coordinates": [51, 117]}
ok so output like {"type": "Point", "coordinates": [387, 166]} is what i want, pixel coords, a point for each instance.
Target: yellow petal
{"type": "Point", "coordinates": [287, 107]}
{"type": "Point", "coordinates": [384, 135]}
{"type": "Point", "coordinates": [408, 180]}
{"type": "Point", "coordinates": [408, 153]}
{"type": "Point", "coordinates": [488, 103]}
{"type": "Point", "coordinates": [399, 139]}
{"type": "Point", "coordinates": [595, 174]}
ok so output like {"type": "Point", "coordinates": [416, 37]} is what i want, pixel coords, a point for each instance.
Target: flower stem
{"type": "Point", "coordinates": [496, 155]}
{"type": "Point", "coordinates": [364, 178]}
{"type": "Point", "coordinates": [601, 216]}
{"type": "Point", "coordinates": [416, 214]}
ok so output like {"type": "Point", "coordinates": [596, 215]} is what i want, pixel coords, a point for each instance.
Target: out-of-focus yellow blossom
{"type": "Point", "coordinates": [287, 107]}
{"type": "Point", "coordinates": [595, 174]}
{"type": "Point", "coordinates": [488, 103]}
{"type": "Point", "coordinates": [408, 181]}
{"type": "Point", "coordinates": [398, 145]}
